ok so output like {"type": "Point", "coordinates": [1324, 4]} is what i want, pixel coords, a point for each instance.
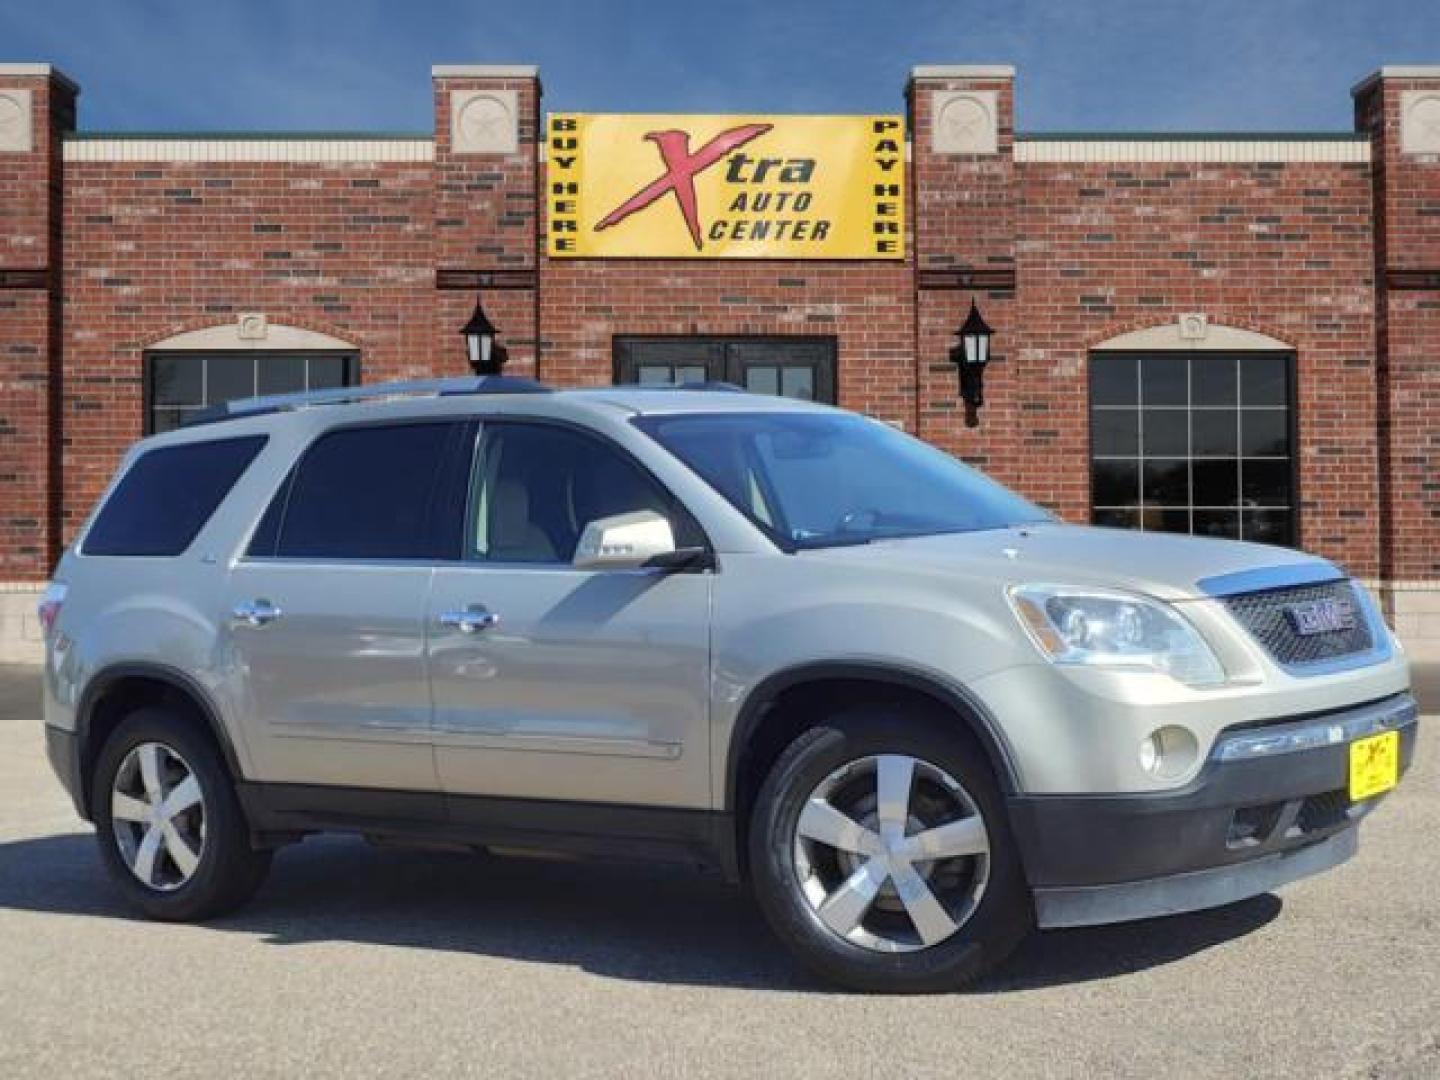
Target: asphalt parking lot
{"type": "Point", "coordinates": [360, 962]}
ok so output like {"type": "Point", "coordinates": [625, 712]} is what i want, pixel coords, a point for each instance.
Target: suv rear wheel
{"type": "Point", "coordinates": [882, 855]}
{"type": "Point", "coordinates": [171, 830]}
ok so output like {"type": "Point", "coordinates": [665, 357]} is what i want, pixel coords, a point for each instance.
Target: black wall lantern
{"type": "Point", "coordinates": [970, 356]}
{"type": "Point", "coordinates": [485, 355]}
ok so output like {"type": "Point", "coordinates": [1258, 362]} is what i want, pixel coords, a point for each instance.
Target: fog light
{"type": "Point", "coordinates": [1168, 752]}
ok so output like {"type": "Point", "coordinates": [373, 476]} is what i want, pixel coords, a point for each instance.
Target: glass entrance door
{"type": "Point", "coordinates": [795, 367]}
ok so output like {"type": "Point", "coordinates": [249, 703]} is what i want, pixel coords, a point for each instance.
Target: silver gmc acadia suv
{"type": "Point", "coordinates": [919, 715]}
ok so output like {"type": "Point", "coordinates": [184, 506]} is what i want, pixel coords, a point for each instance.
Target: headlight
{"type": "Point", "coordinates": [1109, 628]}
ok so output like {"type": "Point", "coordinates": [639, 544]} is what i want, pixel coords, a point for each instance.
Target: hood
{"type": "Point", "coordinates": [1164, 565]}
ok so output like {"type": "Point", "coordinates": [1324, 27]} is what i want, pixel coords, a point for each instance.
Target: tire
{"type": "Point", "coordinates": [800, 882]}
{"type": "Point", "coordinates": [217, 869]}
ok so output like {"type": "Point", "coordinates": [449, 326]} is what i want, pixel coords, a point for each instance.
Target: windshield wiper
{"type": "Point", "coordinates": [821, 540]}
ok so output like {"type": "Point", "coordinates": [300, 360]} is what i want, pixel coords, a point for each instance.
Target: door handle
{"type": "Point", "coordinates": [470, 621]}
{"type": "Point", "coordinates": [256, 613]}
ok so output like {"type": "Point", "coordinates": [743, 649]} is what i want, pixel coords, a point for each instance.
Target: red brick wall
{"type": "Point", "coordinates": [965, 231]}
{"type": "Point", "coordinates": [486, 205]}
{"type": "Point", "coordinates": [24, 423]}
{"type": "Point", "coordinates": [157, 248]}
{"type": "Point", "coordinates": [1280, 249]}
{"type": "Point", "coordinates": [1101, 249]}
{"type": "Point", "coordinates": [1060, 256]}
{"type": "Point", "coordinates": [30, 357]}
{"type": "Point", "coordinates": [963, 204]}
{"type": "Point", "coordinates": [350, 249]}
{"type": "Point", "coordinates": [866, 306]}
{"type": "Point", "coordinates": [1407, 204]}
{"type": "Point", "coordinates": [486, 218]}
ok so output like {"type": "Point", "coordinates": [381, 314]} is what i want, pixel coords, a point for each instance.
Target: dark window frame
{"type": "Point", "coordinates": [351, 358]}
{"type": "Point", "coordinates": [625, 362]}
{"type": "Point", "coordinates": [1291, 406]}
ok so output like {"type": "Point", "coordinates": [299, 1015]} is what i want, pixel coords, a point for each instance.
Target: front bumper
{"type": "Point", "coordinates": [1269, 806]}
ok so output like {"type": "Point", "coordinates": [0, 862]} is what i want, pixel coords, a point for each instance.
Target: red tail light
{"type": "Point", "coordinates": [51, 602]}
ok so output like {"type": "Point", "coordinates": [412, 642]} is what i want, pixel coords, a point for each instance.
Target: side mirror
{"type": "Point", "coordinates": [624, 542]}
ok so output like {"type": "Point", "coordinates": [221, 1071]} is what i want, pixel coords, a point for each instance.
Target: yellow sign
{"type": "Point", "coordinates": [726, 187]}
{"type": "Point", "coordinates": [1374, 765]}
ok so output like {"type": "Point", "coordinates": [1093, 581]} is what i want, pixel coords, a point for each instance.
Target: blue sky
{"type": "Point", "coordinates": [364, 64]}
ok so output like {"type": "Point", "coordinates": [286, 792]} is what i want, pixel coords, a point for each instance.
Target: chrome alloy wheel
{"type": "Point", "coordinates": [891, 853]}
{"type": "Point", "coordinates": [158, 813]}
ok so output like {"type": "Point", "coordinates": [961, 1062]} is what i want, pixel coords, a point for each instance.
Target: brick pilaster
{"type": "Point", "coordinates": [486, 205]}
{"type": "Point", "coordinates": [1400, 109]}
{"type": "Point", "coordinates": [964, 207]}
{"type": "Point", "coordinates": [37, 105]}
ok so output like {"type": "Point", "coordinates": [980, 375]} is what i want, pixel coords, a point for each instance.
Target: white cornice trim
{"type": "Point", "coordinates": [485, 71]}
{"type": "Point", "coordinates": [39, 71]}
{"type": "Point", "coordinates": [318, 151]}
{"type": "Point", "coordinates": [962, 71]}
{"type": "Point", "coordinates": [1179, 149]}
{"type": "Point", "coordinates": [1398, 71]}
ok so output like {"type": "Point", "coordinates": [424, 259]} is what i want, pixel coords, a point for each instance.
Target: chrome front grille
{"type": "Point", "coordinates": [1270, 617]}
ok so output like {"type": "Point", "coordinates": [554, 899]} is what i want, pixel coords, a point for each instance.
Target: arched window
{"type": "Point", "coordinates": [190, 372]}
{"type": "Point", "coordinates": [1194, 437]}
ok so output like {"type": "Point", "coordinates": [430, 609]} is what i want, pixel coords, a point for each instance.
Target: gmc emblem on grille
{"type": "Point", "coordinates": [1330, 616]}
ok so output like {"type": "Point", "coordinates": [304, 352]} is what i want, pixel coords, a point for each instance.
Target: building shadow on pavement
{"type": "Point", "coordinates": [636, 922]}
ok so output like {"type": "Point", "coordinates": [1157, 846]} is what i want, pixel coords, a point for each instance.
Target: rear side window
{"type": "Point", "coordinates": [168, 495]}
{"type": "Point", "coordinates": [390, 491]}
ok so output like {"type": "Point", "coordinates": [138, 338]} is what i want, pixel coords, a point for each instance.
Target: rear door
{"type": "Point", "coordinates": [556, 683]}
{"type": "Point", "coordinates": [327, 607]}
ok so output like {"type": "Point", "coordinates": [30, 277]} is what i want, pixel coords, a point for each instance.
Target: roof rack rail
{"type": "Point", "coordinates": [715, 386]}
{"type": "Point", "coordinates": [273, 403]}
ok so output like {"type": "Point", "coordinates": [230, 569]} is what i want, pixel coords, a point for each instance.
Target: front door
{"type": "Point", "coordinates": [556, 683]}
{"type": "Point", "coordinates": [795, 367]}
{"type": "Point", "coordinates": [326, 611]}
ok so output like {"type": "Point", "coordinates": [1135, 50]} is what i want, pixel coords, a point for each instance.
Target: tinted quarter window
{"type": "Point", "coordinates": [377, 492]}
{"type": "Point", "coordinates": [167, 496]}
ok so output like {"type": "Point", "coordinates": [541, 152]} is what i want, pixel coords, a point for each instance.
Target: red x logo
{"type": "Point", "coordinates": [681, 168]}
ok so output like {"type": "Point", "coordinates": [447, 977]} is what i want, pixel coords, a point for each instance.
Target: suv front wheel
{"type": "Point", "coordinates": [171, 831]}
{"type": "Point", "coordinates": [881, 853]}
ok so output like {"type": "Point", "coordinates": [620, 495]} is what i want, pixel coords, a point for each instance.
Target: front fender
{"type": "Point", "coordinates": [779, 621]}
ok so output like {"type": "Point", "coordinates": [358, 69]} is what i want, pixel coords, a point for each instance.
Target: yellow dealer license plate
{"type": "Point", "coordinates": [1374, 765]}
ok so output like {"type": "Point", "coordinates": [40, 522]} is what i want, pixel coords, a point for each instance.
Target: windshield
{"type": "Point", "coordinates": [824, 479]}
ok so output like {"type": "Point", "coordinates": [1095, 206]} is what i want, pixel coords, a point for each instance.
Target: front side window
{"type": "Point", "coordinates": [383, 491]}
{"type": "Point", "coordinates": [166, 497]}
{"type": "Point", "coordinates": [823, 479]}
{"type": "Point", "coordinates": [178, 385]}
{"type": "Point", "coordinates": [1194, 443]}
{"type": "Point", "coordinates": [536, 487]}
